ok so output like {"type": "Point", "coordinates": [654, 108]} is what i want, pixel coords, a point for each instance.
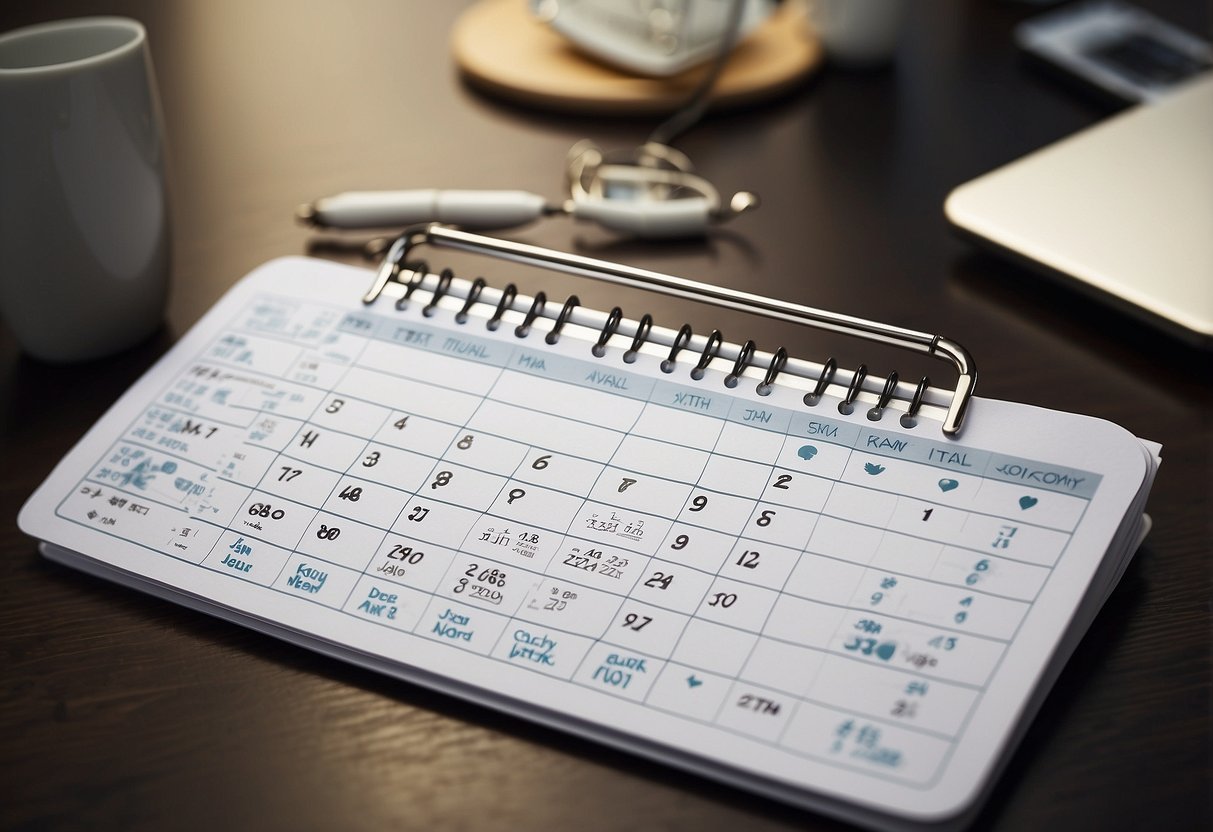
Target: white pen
{"type": "Point", "coordinates": [495, 210]}
{"type": "Point", "coordinates": [473, 210]}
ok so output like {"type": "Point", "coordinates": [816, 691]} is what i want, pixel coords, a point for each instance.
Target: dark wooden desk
{"type": "Point", "coordinates": [121, 711]}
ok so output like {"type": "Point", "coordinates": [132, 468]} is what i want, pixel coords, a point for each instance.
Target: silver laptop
{"type": "Point", "coordinates": [1123, 209]}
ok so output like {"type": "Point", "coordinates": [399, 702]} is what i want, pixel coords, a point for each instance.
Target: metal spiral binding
{"type": "Point", "coordinates": [710, 347]}
{"type": "Point", "coordinates": [680, 341]}
{"type": "Point", "coordinates": [614, 317]}
{"type": "Point", "coordinates": [643, 329]}
{"type": "Point", "coordinates": [570, 303]}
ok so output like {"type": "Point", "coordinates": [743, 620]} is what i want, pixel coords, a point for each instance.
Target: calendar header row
{"type": "Point", "coordinates": [615, 378]}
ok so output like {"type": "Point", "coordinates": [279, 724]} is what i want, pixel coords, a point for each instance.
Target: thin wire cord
{"type": "Point", "coordinates": [693, 110]}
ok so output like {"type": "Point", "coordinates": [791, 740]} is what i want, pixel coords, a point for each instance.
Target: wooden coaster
{"type": "Point", "coordinates": [501, 48]}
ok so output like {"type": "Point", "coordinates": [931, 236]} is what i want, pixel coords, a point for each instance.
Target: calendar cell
{"type": "Point", "coordinates": [410, 562]}
{"type": "Point", "coordinates": [576, 403]}
{"type": "Point", "coordinates": [252, 352]}
{"type": "Point", "coordinates": [907, 698]}
{"type": "Point", "coordinates": [743, 606]}
{"type": "Point", "coordinates": [734, 476]}
{"type": "Point", "coordinates": [645, 628]}
{"type": "Point", "coordinates": [813, 456]}
{"type": "Point", "coordinates": [314, 371]}
{"type": "Point", "coordinates": [510, 542]}
{"type": "Point", "coordinates": [345, 412]}
{"type": "Point", "coordinates": [628, 489]}
{"type": "Point", "coordinates": [678, 588]}
{"type": "Point", "coordinates": [434, 522]}
{"type": "Point", "coordinates": [391, 392]}
{"type": "Point", "coordinates": [568, 606]}
{"type": "Point", "coordinates": [907, 555]}
{"type": "Point", "coordinates": [781, 525]}
{"type": "Point", "coordinates": [559, 472]}
{"type": "Point", "coordinates": [267, 395]}
{"type": "Point", "coordinates": [316, 580]}
{"type": "Point", "coordinates": [387, 603]}
{"type": "Point", "coordinates": [845, 738]}
{"type": "Point", "coordinates": [246, 464]}
{"type": "Point", "coordinates": [782, 666]}
{"type": "Point", "coordinates": [485, 583]}
{"type": "Point", "coordinates": [1044, 508]}
{"type": "Point", "coordinates": [802, 622]}
{"type": "Point", "coordinates": [926, 519]}
{"type": "Point", "coordinates": [397, 360]}
{"type": "Point", "coordinates": [836, 538]}
{"type": "Point", "coordinates": [861, 505]}
{"type": "Point", "coordinates": [272, 432]}
{"type": "Point", "coordinates": [715, 510]}
{"type": "Point", "coordinates": [935, 652]}
{"type": "Point", "coordinates": [590, 564]}
{"type": "Point", "coordinates": [485, 452]}
{"type": "Point", "coordinates": [758, 562]}
{"type": "Point", "coordinates": [663, 460]}
{"type": "Point", "coordinates": [825, 579]}
{"type": "Point", "coordinates": [553, 652]}
{"type": "Point", "coordinates": [676, 426]}
{"type": "Point", "coordinates": [696, 547]}
{"type": "Point", "coordinates": [756, 711]}
{"type": "Point", "coordinates": [152, 475]}
{"type": "Point", "coordinates": [1013, 539]}
{"type": "Point", "coordinates": [201, 441]}
{"type": "Point", "coordinates": [945, 606]}
{"type": "Point", "coordinates": [749, 443]}
{"type": "Point", "coordinates": [410, 432]}
{"type": "Point", "coordinates": [247, 558]}
{"type": "Point", "coordinates": [364, 501]}
{"type": "Point", "coordinates": [714, 647]}
{"type": "Point", "coordinates": [325, 448]}
{"type": "Point", "coordinates": [689, 691]}
{"type": "Point", "coordinates": [989, 573]}
{"type": "Point", "coordinates": [541, 429]}
{"type": "Point", "coordinates": [272, 519]}
{"type": "Point", "coordinates": [219, 503]}
{"type": "Point", "coordinates": [461, 626]}
{"type": "Point", "coordinates": [624, 528]}
{"type": "Point", "coordinates": [797, 490]}
{"type": "Point", "coordinates": [340, 541]}
{"type": "Point", "coordinates": [301, 482]}
{"type": "Point", "coordinates": [466, 487]}
{"type": "Point", "coordinates": [531, 505]}
{"type": "Point", "coordinates": [402, 470]}
{"type": "Point", "coordinates": [618, 671]}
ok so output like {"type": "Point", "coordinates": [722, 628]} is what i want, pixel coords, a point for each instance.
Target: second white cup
{"type": "Point", "coordinates": [84, 223]}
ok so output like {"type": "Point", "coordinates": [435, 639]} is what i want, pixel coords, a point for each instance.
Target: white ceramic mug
{"type": "Point", "coordinates": [84, 225]}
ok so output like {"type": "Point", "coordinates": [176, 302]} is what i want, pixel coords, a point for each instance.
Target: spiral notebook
{"type": "Point", "coordinates": [845, 592]}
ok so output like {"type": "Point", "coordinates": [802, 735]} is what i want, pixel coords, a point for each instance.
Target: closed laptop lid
{"type": "Point", "coordinates": [1125, 208]}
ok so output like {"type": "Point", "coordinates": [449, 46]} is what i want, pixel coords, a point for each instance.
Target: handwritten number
{"type": "Point", "coordinates": [748, 559]}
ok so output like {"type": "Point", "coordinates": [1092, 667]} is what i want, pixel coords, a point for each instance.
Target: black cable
{"type": "Point", "coordinates": [697, 104]}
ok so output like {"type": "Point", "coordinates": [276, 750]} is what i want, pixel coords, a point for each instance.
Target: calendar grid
{"type": "Point", "coordinates": [791, 713]}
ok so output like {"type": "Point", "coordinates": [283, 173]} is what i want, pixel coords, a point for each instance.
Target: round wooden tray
{"type": "Point", "coordinates": [501, 48]}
